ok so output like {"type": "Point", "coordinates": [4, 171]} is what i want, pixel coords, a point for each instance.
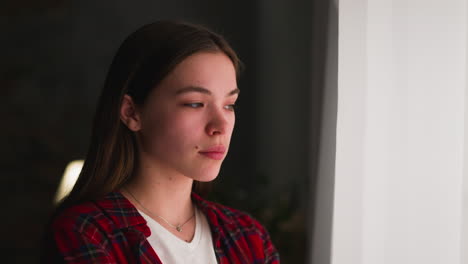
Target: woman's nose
{"type": "Point", "coordinates": [217, 124]}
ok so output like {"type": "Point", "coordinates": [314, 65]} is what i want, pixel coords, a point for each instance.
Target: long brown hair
{"type": "Point", "coordinates": [142, 61]}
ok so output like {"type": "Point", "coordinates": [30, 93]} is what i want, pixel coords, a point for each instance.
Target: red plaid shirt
{"type": "Point", "coordinates": [111, 230]}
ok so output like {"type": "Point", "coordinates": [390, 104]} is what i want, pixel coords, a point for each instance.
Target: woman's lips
{"type": "Point", "coordinates": [215, 152]}
{"type": "Point", "coordinates": [213, 155]}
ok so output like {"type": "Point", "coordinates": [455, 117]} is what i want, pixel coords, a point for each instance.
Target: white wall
{"type": "Point", "coordinates": [399, 190]}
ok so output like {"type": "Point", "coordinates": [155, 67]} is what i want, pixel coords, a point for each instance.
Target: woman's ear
{"type": "Point", "coordinates": [129, 114]}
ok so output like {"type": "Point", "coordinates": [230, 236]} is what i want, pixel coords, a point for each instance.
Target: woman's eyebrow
{"type": "Point", "coordinates": [233, 92]}
{"type": "Point", "coordinates": [198, 89]}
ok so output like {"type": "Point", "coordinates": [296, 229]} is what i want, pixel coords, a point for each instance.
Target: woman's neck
{"type": "Point", "coordinates": [161, 192]}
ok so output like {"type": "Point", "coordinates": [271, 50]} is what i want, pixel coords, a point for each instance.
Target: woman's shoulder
{"type": "Point", "coordinates": [102, 230]}
{"type": "Point", "coordinates": [243, 230]}
{"type": "Point", "coordinates": [108, 213]}
{"type": "Point", "coordinates": [82, 217]}
{"type": "Point", "coordinates": [232, 217]}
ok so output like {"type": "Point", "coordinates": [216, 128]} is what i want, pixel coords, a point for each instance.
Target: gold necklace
{"type": "Point", "coordinates": [177, 227]}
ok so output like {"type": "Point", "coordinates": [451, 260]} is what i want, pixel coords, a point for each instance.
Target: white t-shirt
{"type": "Point", "coordinates": [173, 250]}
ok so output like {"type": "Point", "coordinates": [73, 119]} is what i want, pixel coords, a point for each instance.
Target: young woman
{"type": "Point", "coordinates": [163, 124]}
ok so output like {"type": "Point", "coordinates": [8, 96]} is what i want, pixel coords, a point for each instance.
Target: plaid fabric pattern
{"type": "Point", "coordinates": [111, 230]}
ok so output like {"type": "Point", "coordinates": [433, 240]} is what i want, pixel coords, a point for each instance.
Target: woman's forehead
{"type": "Point", "coordinates": [206, 73]}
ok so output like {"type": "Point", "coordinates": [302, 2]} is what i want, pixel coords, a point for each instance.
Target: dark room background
{"type": "Point", "coordinates": [54, 58]}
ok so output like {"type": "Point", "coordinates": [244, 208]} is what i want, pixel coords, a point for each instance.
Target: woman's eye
{"type": "Point", "coordinates": [194, 105]}
{"type": "Point", "coordinates": [231, 107]}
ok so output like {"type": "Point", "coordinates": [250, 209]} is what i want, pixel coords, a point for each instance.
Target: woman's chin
{"type": "Point", "coordinates": [207, 175]}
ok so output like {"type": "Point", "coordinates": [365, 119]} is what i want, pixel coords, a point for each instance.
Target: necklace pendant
{"type": "Point", "coordinates": [178, 228]}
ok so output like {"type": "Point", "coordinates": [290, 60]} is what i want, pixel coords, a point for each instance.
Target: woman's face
{"type": "Point", "coordinates": [188, 118]}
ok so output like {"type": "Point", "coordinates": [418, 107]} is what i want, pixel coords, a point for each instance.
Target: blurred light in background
{"type": "Point", "coordinates": [69, 178]}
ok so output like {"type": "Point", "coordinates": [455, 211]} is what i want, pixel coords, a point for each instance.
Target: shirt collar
{"type": "Point", "coordinates": [124, 214]}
